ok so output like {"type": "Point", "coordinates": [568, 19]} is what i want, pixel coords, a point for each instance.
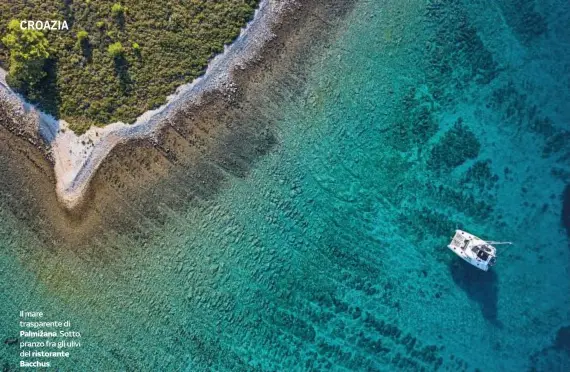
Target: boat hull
{"type": "Point", "coordinates": [467, 246]}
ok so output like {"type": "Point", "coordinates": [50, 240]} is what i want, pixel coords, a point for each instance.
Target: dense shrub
{"type": "Point", "coordinates": [28, 53]}
{"type": "Point", "coordinates": [82, 36]}
{"type": "Point", "coordinates": [116, 50]}
{"type": "Point", "coordinates": [117, 10]}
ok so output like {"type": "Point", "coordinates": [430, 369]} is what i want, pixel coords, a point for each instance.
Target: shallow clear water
{"type": "Point", "coordinates": [330, 255]}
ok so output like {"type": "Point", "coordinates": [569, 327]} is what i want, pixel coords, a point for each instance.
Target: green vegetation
{"type": "Point", "coordinates": [117, 10]}
{"type": "Point", "coordinates": [117, 60]}
{"type": "Point", "coordinates": [116, 50]}
{"type": "Point", "coordinates": [82, 36]}
{"type": "Point", "coordinates": [29, 50]}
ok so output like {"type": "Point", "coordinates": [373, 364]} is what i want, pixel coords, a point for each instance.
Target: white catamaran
{"type": "Point", "coordinates": [478, 252]}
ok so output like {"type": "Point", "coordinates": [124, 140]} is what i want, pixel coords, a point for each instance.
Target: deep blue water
{"type": "Point", "coordinates": [419, 118]}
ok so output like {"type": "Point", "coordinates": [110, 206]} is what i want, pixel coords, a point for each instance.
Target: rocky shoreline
{"type": "Point", "coordinates": [185, 153]}
{"type": "Point", "coordinates": [76, 158]}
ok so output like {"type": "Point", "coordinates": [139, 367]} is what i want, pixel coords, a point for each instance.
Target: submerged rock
{"type": "Point", "coordinates": [457, 145]}
{"type": "Point", "coordinates": [11, 341]}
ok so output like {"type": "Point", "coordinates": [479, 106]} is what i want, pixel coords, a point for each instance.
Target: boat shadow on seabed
{"type": "Point", "coordinates": [480, 286]}
{"type": "Point", "coordinates": [566, 209]}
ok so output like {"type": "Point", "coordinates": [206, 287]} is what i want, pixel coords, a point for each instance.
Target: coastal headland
{"type": "Point", "coordinates": [70, 185]}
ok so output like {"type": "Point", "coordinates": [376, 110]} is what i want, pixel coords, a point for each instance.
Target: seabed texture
{"type": "Point", "coordinates": [302, 224]}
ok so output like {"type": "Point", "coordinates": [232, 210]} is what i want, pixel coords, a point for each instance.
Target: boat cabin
{"type": "Point", "coordinates": [474, 250]}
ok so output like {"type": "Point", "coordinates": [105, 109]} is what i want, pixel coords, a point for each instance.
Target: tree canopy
{"type": "Point", "coordinates": [29, 50]}
{"type": "Point", "coordinates": [116, 50]}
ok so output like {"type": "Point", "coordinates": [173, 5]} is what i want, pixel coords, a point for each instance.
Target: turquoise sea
{"type": "Point", "coordinates": [417, 118]}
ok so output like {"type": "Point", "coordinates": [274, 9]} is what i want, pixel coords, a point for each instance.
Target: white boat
{"type": "Point", "coordinates": [478, 252]}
